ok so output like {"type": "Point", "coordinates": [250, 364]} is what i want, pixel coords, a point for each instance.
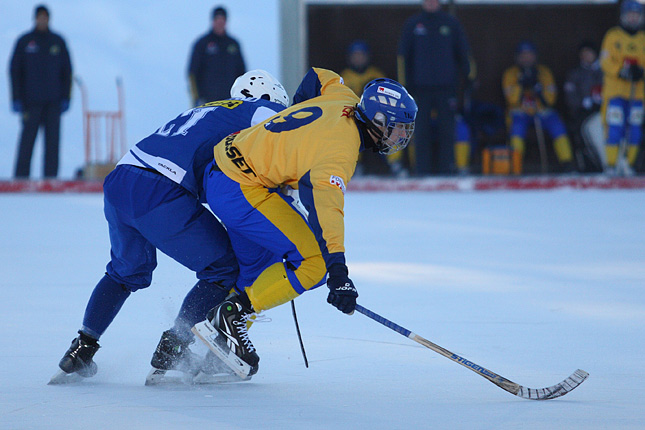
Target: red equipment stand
{"type": "Point", "coordinates": [103, 134]}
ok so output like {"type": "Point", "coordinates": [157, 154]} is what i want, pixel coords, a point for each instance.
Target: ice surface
{"type": "Point", "coordinates": [531, 285]}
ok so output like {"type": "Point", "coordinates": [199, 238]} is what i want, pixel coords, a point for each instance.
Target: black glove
{"type": "Point", "coordinates": [632, 72]}
{"type": "Point", "coordinates": [529, 78]}
{"type": "Point", "coordinates": [636, 72]}
{"type": "Point", "coordinates": [342, 293]}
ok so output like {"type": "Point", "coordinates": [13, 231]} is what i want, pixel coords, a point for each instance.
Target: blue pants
{"type": "Point", "coordinates": [146, 211]}
{"type": "Point", "coordinates": [550, 121]}
{"type": "Point", "coordinates": [47, 115]}
{"type": "Point", "coordinates": [434, 136]}
{"type": "Point", "coordinates": [621, 116]}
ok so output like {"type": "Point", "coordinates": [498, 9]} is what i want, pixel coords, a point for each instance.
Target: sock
{"type": "Point", "coordinates": [105, 302]}
{"type": "Point", "coordinates": [200, 299]}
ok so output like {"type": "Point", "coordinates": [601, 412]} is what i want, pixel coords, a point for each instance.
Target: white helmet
{"type": "Point", "coordinates": [261, 85]}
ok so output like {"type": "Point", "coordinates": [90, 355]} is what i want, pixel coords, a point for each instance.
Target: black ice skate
{"type": "Point", "coordinates": [172, 353]}
{"type": "Point", "coordinates": [226, 334]}
{"type": "Point", "coordinates": [77, 361]}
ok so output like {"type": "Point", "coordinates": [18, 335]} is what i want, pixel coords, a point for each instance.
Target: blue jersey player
{"type": "Point", "coordinates": [153, 200]}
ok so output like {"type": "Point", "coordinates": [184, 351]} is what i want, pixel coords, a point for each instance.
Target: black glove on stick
{"type": "Point", "coordinates": [342, 293]}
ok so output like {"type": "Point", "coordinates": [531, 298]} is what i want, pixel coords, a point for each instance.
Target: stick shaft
{"type": "Point", "coordinates": [558, 390]}
{"type": "Point", "coordinates": [482, 371]}
{"type": "Point", "coordinates": [493, 377]}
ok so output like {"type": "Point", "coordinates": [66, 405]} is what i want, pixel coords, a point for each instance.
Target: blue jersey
{"type": "Point", "coordinates": [181, 149]}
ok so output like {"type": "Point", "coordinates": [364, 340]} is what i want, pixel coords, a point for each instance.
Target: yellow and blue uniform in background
{"type": "Point", "coordinates": [372, 163]}
{"type": "Point", "coordinates": [311, 147]}
{"type": "Point", "coordinates": [524, 104]}
{"type": "Point", "coordinates": [622, 105]}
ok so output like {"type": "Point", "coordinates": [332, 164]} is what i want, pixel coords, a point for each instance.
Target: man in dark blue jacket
{"type": "Point", "coordinates": [41, 79]}
{"type": "Point", "coordinates": [216, 61]}
{"type": "Point", "coordinates": [433, 56]}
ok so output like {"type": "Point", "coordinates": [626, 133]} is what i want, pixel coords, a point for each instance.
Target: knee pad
{"type": "Point", "coordinates": [276, 285]}
{"type": "Point", "coordinates": [636, 115]}
{"type": "Point", "coordinates": [615, 116]}
{"type": "Point", "coordinates": [272, 288]}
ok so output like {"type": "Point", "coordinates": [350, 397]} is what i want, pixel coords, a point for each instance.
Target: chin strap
{"type": "Point", "coordinates": [367, 129]}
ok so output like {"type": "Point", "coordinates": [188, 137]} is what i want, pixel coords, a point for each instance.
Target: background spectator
{"type": "Point", "coordinates": [433, 56]}
{"type": "Point", "coordinates": [41, 79]}
{"type": "Point", "coordinates": [582, 92]}
{"type": "Point", "coordinates": [530, 92]}
{"type": "Point", "coordinates": [359, 72]}
{"type": "Point", "coordinates": [216, 61]}
{"type": "Point", "coordinates": [622, 60]}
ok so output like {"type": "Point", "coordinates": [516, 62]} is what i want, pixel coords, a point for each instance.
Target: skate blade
{"type": "Point", "coordinates": [62, 378]}
{"type": "Point", "coordinates": [219, 378]}
{"type": "Point", "coordinates": [207, 333]}
{"type": "Point", "coordinates": [165, 377]}
{"type": "Point", "coordinates": [159, 377]}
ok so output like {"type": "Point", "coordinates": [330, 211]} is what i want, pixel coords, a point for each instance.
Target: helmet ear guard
{"type": "Point", "coordinates": [260, 84]}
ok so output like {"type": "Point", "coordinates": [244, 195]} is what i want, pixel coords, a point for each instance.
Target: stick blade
{"type": "Point", "coordinates": [558, 390]}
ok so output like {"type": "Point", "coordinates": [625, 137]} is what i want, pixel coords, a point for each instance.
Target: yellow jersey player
{"type": "Point", "coordinates": [622, 59]}
{"type": "Point", "coordinates": [356, 75]}
{"type": "Point", "coordinates": [530, 93]}
{"type": "Point", "coordinates": [311, 147]}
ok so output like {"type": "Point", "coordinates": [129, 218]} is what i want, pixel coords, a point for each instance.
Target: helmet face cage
{"type": "Point", "coordinates": [395, 135]}
{"type": "Point", "coordinates": [261, 85]}
{"type": "Point", "coordinates": [389, 113]}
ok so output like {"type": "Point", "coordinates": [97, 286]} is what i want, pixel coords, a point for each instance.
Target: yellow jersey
{"type": "Point", "coordinates": [618, 49]}
{"type": "Point", "coordinates": [312, 146]}
{"type": "Point", "coordinates": [527, 100]}
{"type": "Point", "coordinates": [356, 81]}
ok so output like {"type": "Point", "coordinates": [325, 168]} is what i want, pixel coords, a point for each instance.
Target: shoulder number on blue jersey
{"type": "Point", "coordinates": [188, 119]}
{"type": "Point", "coordinates": [228, 104]}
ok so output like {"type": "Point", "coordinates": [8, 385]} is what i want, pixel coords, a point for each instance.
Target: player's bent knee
{"type": "Point", "coordinates": [129, 283]}
{"type": "Point", "coordinates": [272, 288]}
{"type": "Point", "coordinates": [276, 285]}
{"type": "Point", "coordinates": [311, 272]}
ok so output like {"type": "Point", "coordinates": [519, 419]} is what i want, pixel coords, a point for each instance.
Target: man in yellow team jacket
{"type": "Point", "coordinates": [356, 75]}
{"type": "Point", "coordinates": [622, 59]}
{"type": "Point", "coordinates": [530, 92]}
{"type": "Point", "coordinates": [311, 147]}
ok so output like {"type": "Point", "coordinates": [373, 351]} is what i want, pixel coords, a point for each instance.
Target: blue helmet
{"type": "Point", "coordinates": [626, 8]}
{"type": "Point", "coordinates": [525, 45]}
{"type": "Point", "coordinates": [388, 111]}
{"type": "Point", "coordinates": [631, 6]}
{"type": "Point", "coordinates": [358, 45]}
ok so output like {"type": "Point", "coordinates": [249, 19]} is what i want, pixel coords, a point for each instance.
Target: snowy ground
{"type": "Point", "coordinates": [532, 285]}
